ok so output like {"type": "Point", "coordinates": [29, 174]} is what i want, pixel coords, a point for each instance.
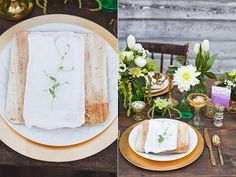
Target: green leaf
{"type": "Point", "coordinates": [210, 62]}
{"type": "Point", "coordinates": [210, 75]}
{"type": "Point", "coordinates": [52, 78]}
{"type": "Point", "coordinates": [199, 61]}
{"type": "Point", "coordinates": [180, 59]}
{"type": "Point", "coordinates": [60, 68]}
{"type": "Point", "coordinates": [52, 92]}
{"type": "Point", "coordinates": [140, 81]}
{"type": "Point", "coordinates": [199, 88]}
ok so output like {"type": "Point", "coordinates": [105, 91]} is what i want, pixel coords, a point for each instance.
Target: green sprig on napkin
{"type": "Point", "coordinates": [53, 77]}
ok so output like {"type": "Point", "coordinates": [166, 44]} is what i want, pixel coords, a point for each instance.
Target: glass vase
{"type": "Point", "coordinates": [109, 5]}
{"type": "Point", "coordinates": [184, 107]}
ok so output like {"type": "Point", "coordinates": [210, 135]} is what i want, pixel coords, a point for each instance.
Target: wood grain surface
{"type": "Point", "coordinates": [17, 78]}
{"type": "Point", "coordinates": [96, 89]}
{"type": "Point", "coordinates": [200, 168]}
{"type": "Point", "coordinates": [181, 21]}
{"type": "Point", "coordinates": [104, 161]}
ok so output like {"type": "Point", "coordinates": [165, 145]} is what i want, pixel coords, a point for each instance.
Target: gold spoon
{"type": "Point", "coordinates": [217, 142]}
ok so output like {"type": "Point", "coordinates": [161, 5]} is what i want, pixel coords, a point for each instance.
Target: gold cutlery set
{"type": "Point", "coordinates": [216, 142]}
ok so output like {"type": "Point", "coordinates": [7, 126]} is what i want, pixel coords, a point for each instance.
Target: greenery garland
{"type": "Point", "coordinates": [43, 5]}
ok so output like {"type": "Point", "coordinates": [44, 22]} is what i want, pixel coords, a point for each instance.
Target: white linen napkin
{"type": "Point", "coordinates": [157, 128]}
{"type": "Point", "coordinates": [68, 109]}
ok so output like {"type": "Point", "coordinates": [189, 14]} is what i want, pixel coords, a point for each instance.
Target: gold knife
{"type": "Point", "coordinates": [208, 142]}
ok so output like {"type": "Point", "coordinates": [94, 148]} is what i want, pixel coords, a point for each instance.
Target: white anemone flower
{"type": "Point", "coordinates": [136, 72]}
{"type": "Point", "coordinates": [185, 77]}
{"type": "Point", "coordinates": [161, 102]}
{"type": "Point", "coordinates": [122, 67]}
{"type": "Point", "coordinates": [196, 48]}
{"type": "Point", "coordinates": [140, 62]}
{"type": "Point", "coordinates": [205, 45]}
{"type": "Point", "coordinates": [131, 41]}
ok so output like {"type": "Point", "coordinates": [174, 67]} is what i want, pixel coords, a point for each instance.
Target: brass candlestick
{"type": "Point", "coordinates": [174, 102]}
{"type": "Point", "coordinates": [15, 9]}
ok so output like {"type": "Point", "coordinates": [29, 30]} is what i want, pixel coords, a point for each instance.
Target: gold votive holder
{"type": "Point", "coordinates": [138, 108]}
{"type": "Point", "coordinates": [15, 9]}
{"type": "Point", "coordinates": [209, 110]}
{"type": "Point", "coordinates": [232, 108]}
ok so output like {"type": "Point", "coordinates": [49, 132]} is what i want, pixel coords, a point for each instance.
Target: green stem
{"type": "Point", "coordinates": [98, 8]}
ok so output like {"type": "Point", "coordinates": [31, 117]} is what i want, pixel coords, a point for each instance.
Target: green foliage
{"type": "Point", "coordinates": [98, 8]}
{"type": "Point", "coordinates": [125, 89]}
{"type": "Point", "coordinates": [43, 4]}
{"type": "Point", "coordinates": [151, 65]}
{"type": "Point", "coordinates": [228, 80]}
{"type": "Point", "coordinates": [181, 59]}
{"type": "Point", "coordinates": [53, 77]}
{"type": "Point", "coordinates": [204, 62]}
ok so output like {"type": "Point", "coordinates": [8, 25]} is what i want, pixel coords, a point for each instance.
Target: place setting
{"type": "Point", "coordinates": [170, 134]}
{"type": "Point", "coordinates": [53, 104]}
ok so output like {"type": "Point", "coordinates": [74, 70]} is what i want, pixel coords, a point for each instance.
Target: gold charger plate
{"type": "Point", "coordinates": [147, 164]}
{"type": "Point", "coordinates": [57, 154]}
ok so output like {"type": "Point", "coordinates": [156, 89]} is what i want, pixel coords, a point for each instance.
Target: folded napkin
{"type": "Point", "coordinates": [68, 109]}
{"type": "Point", "coordinates": [162, 137]}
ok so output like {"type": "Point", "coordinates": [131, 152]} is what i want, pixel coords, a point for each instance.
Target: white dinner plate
{"type": "Point", "coordinates": [63, 136]}
{"type": "Point", "coordinates": [160, 87]}
{"type": "Point", "coordinates": [193, 140]}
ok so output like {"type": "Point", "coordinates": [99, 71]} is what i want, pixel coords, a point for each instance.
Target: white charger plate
{"type": "Point", "coordinates": [193, 140]}
{"type": "Point", "coordinates": [63, 136]}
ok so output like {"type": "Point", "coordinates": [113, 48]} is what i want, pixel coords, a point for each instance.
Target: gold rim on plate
{"type": "Point", "coordinates": [57, 154]}
{"type": "Point", "coordinates": [162, 92]}
{"type": "Point", "coordinates": [152, 165]}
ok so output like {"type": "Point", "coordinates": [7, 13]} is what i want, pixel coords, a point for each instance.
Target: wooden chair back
{"type": "Point", "coordinates": [171, 49]}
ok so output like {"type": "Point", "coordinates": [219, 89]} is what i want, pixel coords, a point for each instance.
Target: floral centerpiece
{"type": "Point", "coordinates": [229, 81]}
{"type": "Point", "coordinates": [204, 62]}
{"type": "Point", "coordinates": [185, 78]}
{"type": "Point", "coordinates": [162, 106]}
{"type": "Point", "coordinates": [136, 71]}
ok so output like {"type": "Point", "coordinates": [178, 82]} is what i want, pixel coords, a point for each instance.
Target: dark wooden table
{"type": "Point", "coordinates": [104, 161]}
{"type": "Point", "coordinates": [201, 167]}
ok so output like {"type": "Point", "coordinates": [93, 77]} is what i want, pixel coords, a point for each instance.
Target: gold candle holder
{"type": "Point", "coordinates": [197, 100]}
{"type": "Point", "coordinates": [138, 108]}
{"type": "Point", "coordinates": [209, 110]}
{"type": "Point", "coordinates": [232, 108]}
{"type": "Point", "coordinates": [174, 102]}
{"type": "Point", "coordinates": [15, 9]}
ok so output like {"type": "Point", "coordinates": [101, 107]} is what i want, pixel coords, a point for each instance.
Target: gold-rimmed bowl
{"type": "Point", "coordinates": [197, 100]}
